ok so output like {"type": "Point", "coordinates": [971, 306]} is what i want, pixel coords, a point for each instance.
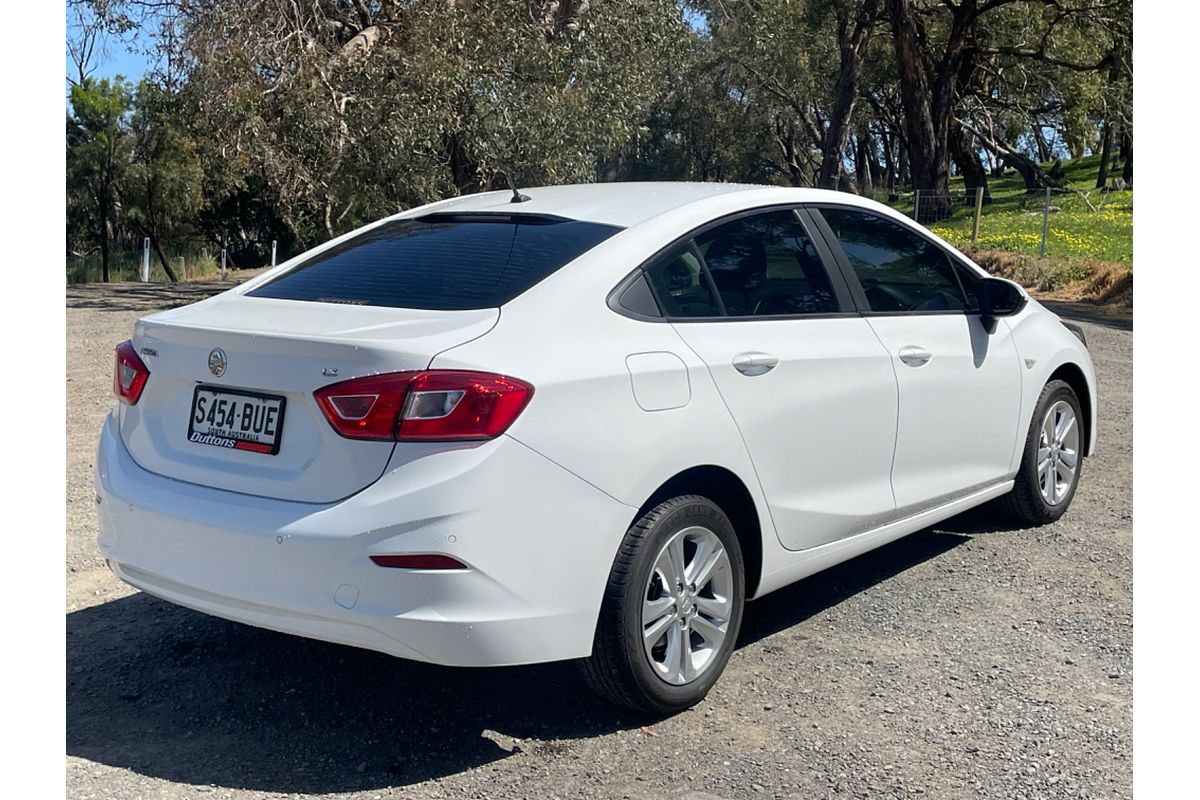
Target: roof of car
{"type": "Point", "coordinates": [624, 204]}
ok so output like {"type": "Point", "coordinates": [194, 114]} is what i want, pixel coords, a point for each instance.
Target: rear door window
{"type": "Point", "coordinates": [440, 262]}
{"type": "Point", "coordinates": [766, 265]}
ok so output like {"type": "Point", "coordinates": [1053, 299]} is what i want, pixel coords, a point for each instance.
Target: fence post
{"type": "Point", "coordinates": [978, 211]}
{"type": "Point", "coordinates": [146, 260]}
{"type": "Point", "coordinates": [1045, 221]}
{"type": "Point", "coordinates": [273, 243]}
{"type": "Point", "coordinates": [917, 206]}
{"type": "Point", "coordinates": [183, 268]}
{"type": "Point", "coordinates": [222, 264]}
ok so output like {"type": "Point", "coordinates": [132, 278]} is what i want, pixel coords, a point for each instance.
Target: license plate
{"type": "Point", "coordinates": [235, 419]}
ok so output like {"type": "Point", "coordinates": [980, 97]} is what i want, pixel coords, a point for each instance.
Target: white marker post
{"type": "Point", "coordinates": [146, 260]}
{"type": "Point", "coordinates": [273, 243]}
{"type": "Point", "coordinates": [222, 264]}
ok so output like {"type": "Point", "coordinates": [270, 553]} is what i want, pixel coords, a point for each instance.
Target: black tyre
{"type": "Point", "coordinates": [1052, 461]}
{"type": "Point", "coordinates": [672, 609]}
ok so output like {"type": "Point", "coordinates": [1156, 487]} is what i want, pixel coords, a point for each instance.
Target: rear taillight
{"type": "Point", "coordinates": [434, 405]}
{"type": "Point", "coordinates": [129, 374]}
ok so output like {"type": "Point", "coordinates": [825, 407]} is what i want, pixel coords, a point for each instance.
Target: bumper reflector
{"type": "Point", "coordinates": [419, 561]}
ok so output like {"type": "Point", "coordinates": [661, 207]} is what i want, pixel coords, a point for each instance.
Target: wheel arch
{"type": "Point", "coordinates": [1072, 374]}
{"type": "Point", "coordinates": [725, 488]}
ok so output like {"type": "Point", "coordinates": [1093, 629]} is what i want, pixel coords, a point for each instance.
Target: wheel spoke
{"type": "Point", "coordinates": [678, 564]}
{"type": "Point", "coordinates": [712, 633]}
{"type": "Point", "coordinates": [656, 616]}
{"type": "Point", "coordinates": [709, 555]}
{"type": "Point", "coordinates": [674, 658]}
{"type": "Point", "coordinates": [1048, 480]}
{"type": "Point", "coordinates": [655, 631]}
{"type": "Point", "coordinates": [1069, 458]}
{"type": "Point", "coordinates": [687, 667]}
{"type": "Point", "coordinates": [1063, 426]}
{"type": "Point", "coordinates": [665, 569]}
{"type": "Point", "coordinates": [715, 607]}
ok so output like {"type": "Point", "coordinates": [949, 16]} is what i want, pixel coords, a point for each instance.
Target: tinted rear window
{"type": "Point", "coordinates": [440, 262]}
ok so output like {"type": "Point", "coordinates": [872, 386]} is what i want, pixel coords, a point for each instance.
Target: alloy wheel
{"type": "Point", "coordinates": [1058, 452]}
{"type": "Point", "coordinates": [687, 605]}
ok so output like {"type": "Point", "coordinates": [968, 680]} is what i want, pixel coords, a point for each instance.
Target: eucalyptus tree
{"type": "Point", "coordinates": [938, 45]}
{"type": "Point", "coordinates": [98, 147]}
{"type": "Point", "coordinates": [163, 181]}
{"type": "Point", "coordinates": [349, 110]}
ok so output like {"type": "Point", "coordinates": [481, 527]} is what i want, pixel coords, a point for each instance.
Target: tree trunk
{"type": "Point", "coordinates": [873, 170]}
{"type": "Point", "coordinates": [915, 96]}
{"type": "Point", "coordinates": [889, 166]}
{"type": "Point", "coordinates": [162, 257]}
{"type": "Point", "coordinates": [853, 46]}
{"type": "Point", "coordinates": [1035, 177]}
{"type": "Point", "coordinates": [1043, 147]}
{"type": "Point", "coordinates": [463, 169]}
{"type": "Point", "coordinates": [1127, 158]}
{"type": "Point", "coordinates": [928, 91]}
{"type": "Point", "coordinates": [862, 172]}
{"type": "Point", "coordinates": [1105, 154]}
{"type": "Point", "coordinates": [967, 159]}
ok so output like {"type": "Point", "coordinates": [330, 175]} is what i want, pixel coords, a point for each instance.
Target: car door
{"type": "Point", "coordinates": [959, 384]}
{"type": "Point", "coordinates": [805, 378]}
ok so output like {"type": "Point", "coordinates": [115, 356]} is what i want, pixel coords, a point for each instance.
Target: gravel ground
{"type": "Point", "coordinates": [968, 660]}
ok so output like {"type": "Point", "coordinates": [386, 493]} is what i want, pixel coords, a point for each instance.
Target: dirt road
{"type": "Point", "coordinates": [970, 660]}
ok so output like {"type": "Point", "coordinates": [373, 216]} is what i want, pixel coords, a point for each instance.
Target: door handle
{"type": "Point", "coordinates": [915, 356]}
{"type": "Point", "coordinates": [751, 364]}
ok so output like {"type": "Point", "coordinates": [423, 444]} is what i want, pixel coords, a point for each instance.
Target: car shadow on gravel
{"type": "Point", "coordinates": [181, 696]}
{"type": "Point", "coordinates": [793, 604]}
{"type": "Point", "coordinates": [185, 697]}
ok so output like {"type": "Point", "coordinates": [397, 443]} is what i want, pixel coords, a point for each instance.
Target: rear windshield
{"type": "Point", "coordinates": [444, 262]}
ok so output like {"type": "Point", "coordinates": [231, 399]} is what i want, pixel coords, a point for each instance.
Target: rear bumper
{"type": "Point", "coordinates": [538, 542]}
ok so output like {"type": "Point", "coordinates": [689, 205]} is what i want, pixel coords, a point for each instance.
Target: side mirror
{"type": "Point", "coordinates": [998, 298]}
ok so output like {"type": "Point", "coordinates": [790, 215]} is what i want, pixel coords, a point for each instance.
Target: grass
{"type": "Point", "coordinates": [1074, 230]}
{"type": "Point", "coordinates": [126, 266]}
{"type": "Point", "coordinates": [1084, 223]}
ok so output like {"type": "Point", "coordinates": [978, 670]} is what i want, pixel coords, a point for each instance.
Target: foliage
{"type": "Point", "coordinates": [97, 156]}
{"type": "Point", "coordinates": [272, 120]}
{"type": "Point", "coordinates": [348, 112]}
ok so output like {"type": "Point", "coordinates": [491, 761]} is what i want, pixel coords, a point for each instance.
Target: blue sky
{"type": "Point", "coordinates": [115, 58]}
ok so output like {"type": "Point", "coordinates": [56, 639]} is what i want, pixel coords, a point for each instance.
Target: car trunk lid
{"type": "Point", "coordinates": [278, 349]}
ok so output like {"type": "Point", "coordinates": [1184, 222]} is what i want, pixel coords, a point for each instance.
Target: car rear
{"type": "Point", "coordinates": [282, 454]}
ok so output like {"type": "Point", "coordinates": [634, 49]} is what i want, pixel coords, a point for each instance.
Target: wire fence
{"type": "Point", "coordinates": [1070, 223]}
{"type": "Point", "coordinates": [1094, 225]}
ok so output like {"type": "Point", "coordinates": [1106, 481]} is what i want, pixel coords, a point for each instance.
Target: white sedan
{"type": "Point", "coordinates": [583, 422]}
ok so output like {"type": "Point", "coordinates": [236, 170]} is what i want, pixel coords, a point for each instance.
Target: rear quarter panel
{"type": "Point", "coordinates": [562, 337]}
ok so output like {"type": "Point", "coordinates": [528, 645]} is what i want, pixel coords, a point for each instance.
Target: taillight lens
{"type": "Point", "coordinates": [434, 405]}
{"type": "Point", "coordinates": [129, 374]}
